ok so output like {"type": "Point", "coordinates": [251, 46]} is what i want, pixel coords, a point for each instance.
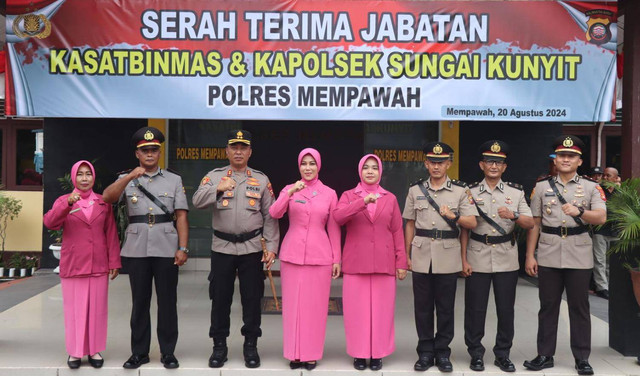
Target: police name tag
{"type": "Point", "coordinates": [549, 194]}
{"type": "Point", "coordinates": [421, 198]}
{"type": "Point", "coordinates": [301, 201]}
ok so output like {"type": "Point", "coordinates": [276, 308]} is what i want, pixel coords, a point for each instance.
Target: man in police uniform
{"type": "Point", "coordinates": [154, 247]}
{"type": "Point", "coordinates": [434, 209]}
{"type": "Point", "coordinates": [491, 255]}
{"type": "Point", "coordinates": [563, 206]}
{"type": "Point", "coordinates": [240, 198]}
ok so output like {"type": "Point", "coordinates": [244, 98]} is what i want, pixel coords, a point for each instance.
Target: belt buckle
{"type": "Point", "coordinates": [151, 219]}
{"type": "Point", "coordinates": [486, 239]}
{"type": "Point", "coordinates": [564, 231]}
{"type": "Point", "coordinates": [436, 234]}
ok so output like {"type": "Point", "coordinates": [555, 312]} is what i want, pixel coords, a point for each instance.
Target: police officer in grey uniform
{"type": "Point", "coordinates": [490, 255]}
{"type": "Point", "coordinates": [240, 198]}
{"type": "Point", "coordinates": [155, 245]}
{"type": "Point", "coordinates": [563, 206]}
{"type": "Point", "coordinates": [435, 210]}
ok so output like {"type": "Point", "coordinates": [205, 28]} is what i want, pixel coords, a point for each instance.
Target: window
{"type": "Point", "coordinates": [22, 154]}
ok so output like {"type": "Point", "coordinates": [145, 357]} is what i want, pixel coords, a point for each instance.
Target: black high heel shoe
{"type": "Point", "coordinates": [309, 366]}
{"type": "Point", "coordinates": [295, 364]}
{"type": "Point", "coordinates": [73, 364]}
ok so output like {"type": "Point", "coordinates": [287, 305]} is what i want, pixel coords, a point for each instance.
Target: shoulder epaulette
{"type": "Point", "coordinates": [547, 177]}
{"type": "Point", "coordinates": [124, 172]}
{"type": "Point", "coordinates": [515, 185]}
{"type": "Point", "coordinates": [459, 183]}
{"type": "Point", "coordinates": [588, 178]}
{"type": "Point", "coordinates": [220, 169]}
{"type": "Point", "coordinates": [173, 171]}
{"type": "Point", "coordinates": [475, 184]}
{"type": "Point", "coordinates": [258, 172]}
{"type": "Point", "coordinates": [419, 181]}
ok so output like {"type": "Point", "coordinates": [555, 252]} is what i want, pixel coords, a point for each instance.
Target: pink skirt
{"type": "Point", "coordinates": [369, 301]}
{"type": "Point", "coordinates": [85, 314]}
{"type": "Point", "coordinates": [305, 305]}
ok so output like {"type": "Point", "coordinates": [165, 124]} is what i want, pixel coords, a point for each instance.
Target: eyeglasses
{"type": "Point", "coordinates": [497, 163]}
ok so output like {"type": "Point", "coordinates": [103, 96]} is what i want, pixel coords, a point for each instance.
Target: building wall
{"type": "Point", "coordinates": [25, 232]}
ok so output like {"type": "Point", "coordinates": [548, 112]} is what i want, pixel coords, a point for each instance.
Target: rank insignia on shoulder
{"type": "Point", "coordinates": [204, 181]}
{"type": "Point", "coordinates": [542, 178]}
{"type": "Point", "coordinates": [585, 177]}
{"type": "Point", "coordinates": [459, 183]}
{"type": "Point", "coordinates": [419, 181]}
{"type": "Point", "coordinates": [475, 184]}
{"type": "Point", "coordinates": [516, 186]}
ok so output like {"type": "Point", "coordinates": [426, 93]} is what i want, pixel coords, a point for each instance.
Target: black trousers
{"type": "Point", "coordinates": [221, 283]}
{"type": "Point", "coordinates": [164, 274]}
{"type": "Point", "coordinates": [476, 299]}
{"type": "Point", "coordinates": [439, 291]}
{"type": "Point", "coordinates": [552, 282]}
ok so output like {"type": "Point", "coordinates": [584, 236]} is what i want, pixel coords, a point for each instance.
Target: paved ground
{"type": "Point", "coordinates": [32, 342]}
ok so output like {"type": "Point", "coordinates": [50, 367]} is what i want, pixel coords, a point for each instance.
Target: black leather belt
{"type": "Point", "coordinates": [486, 239]}
{"type": "Point", "coordinates": [151, 219]}
{"type": "Point", "coordinates": [434, 233]}
{"type": "Point", "coordinates": [565, 231]}
{"type": "Point", "coordinates": [237, 238]}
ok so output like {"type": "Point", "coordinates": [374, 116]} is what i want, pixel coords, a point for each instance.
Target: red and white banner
{"type": "Point", "coordinates": [303, 59]}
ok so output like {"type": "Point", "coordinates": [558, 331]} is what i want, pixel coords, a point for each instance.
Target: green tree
{"type": "Point", "coordinates": [9, 209]}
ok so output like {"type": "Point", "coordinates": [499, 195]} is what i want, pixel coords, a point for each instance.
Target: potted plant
{"type": "Point", "coordinates": [624, 209]}
{"type": "Point", "coordinates": [624, 262]}
{"type": "Point", "coordinates": [1, 268]}
{"type": "Point", "coordinates": [31, 264]}
{"type": "Point", "coordinates": [16, 262]}
{"type": "Point", "coordinates": [9, 209]}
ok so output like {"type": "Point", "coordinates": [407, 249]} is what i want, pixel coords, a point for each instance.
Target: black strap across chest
{"type": "Point", "coordinates": [433, 203]}
{"type": "Point", "coordinates": [489, 220]}
{"type": "Point", "coordinates": [151, 197]}
{"type": "Point", "coordinates": [561, 199]}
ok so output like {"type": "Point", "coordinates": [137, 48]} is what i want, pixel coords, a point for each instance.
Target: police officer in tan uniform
{"type": "Point", "coordinates": [240, 198]}
{"type": "Point", "coordinates": [434, 210]}
{"type": "Point", "coordinates": [155, 245]}
{"type": "Point", "coordinates": [563, 206]}
{"type": "Point", "coordinates": [490, 255]}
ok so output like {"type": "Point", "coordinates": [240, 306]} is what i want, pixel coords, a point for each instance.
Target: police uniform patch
{"type": "Point", "coordinates": [204, 181]}
{"type": "Point", "coordinates": [270, 188]}
{"type": "Point", "coordinates": [602, 195]}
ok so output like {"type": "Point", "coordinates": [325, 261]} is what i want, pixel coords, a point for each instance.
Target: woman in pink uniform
{"type": "Point", "coordinates": [310, 257]}
{"type": "Point", "coordinates": [90, 254]}
{"type": "Point", "coordinates": [372, 259]}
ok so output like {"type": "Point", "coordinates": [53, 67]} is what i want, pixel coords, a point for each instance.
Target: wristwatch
{"type": "Point", "coordinates": [516, 215]}
{"type": "Point", "coordinates": [457, 217]}
{"type": "Point", "coordinates": [184, 249]}
{"type": "Point", "coordinates": [581, 209]}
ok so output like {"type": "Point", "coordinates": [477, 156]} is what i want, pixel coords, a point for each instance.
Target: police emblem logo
{"type": "Point", "coordinates": [32, 25]}
{"type": "Point", "coordinates": [225, 203]}
{"type": "Point", "coordinates": [598, 26]}
{"type": "Point", "coordinates": [252, 202]}
{"type": "Point", "coordinates": [495, 147]}
{"type": "Point", "coordinates": [568, 142]}
{"type": "Point", "coordinates": [437, 149]}
{"type": "Point", "coordinates": [239, 135]}
{"type": "Point", "coordinates": [148, 136]}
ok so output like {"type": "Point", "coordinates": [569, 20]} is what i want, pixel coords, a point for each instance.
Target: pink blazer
{"type": "Point", "coordinates": [313, 237]}
{"type": "Point", "coordinates": [373, 245]}
{"type": "Point", "coordinates": [89, 247]}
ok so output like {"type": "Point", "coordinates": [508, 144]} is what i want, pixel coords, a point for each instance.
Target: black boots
{"type": "Point", "coordinates": [250, 352]}
{"type": "Point", "coordinates": [219, 355]}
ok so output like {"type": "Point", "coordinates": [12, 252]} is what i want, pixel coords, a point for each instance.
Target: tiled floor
{"type": "Point", "coordinates": [32, 343]}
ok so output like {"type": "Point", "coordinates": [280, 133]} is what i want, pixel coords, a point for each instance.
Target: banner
{"type": "Point", "coordinates": [312, 60]}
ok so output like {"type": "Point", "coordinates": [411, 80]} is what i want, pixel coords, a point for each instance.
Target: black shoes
{"type": "Point", "coordinates": [540, 362]}
{"type": "Point", "coordinates": [423, 363]}
{"type": "Point", "coordinates": [169, 361]}
{"type": "Point", "coordinates": [310, 365]}
{"type": "Point", "coordinates": [444, 364]}
{"type": "Point", "coordinates": [505, 364]}
{"type": "Point", "coordinates": [604, 294]}
{"type": "Point", "coordinates": [477, 364]}
{"type": "Point", "coordinates": [583, 367]}
{"type": "Point", "coordinates": [136, 361]}
{"type": "Point", "coordinates": [219, 355]}
{"type": "Point", "coordinates": [96, 363]}
{"type": "Point", "coordinates": [295, 364]}
{"type": "Point", "coordinates": [74, 364]}
{"type": "Point", "coordinates": [360, 364]}
{"type": "Point", "coordinates": [250, 352]}
{"type": "Point", "coordinates": [375, 364]}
